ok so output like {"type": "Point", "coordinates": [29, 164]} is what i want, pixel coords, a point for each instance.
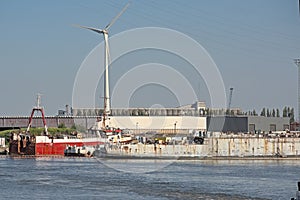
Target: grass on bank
{"type": "Point", "coordinates": [39, 131]}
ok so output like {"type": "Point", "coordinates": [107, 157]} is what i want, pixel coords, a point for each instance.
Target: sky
{"type": "Point", "coordinates": [253, 44]}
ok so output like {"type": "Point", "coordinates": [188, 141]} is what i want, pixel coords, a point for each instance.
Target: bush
{"type": "Point", "coordinates": [61, 125]}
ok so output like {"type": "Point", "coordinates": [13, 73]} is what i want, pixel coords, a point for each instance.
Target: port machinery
{"type": "Point", "coordinates": [40, 109]}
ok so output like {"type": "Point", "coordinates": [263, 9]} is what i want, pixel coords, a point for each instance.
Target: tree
{"type": "Point", "coordinates": [292, 115]}
{"type": "Point", "coordinates": [227, 111]}
{"type": "Point", "coordinates": [61, 125]}
{"type": "Point", "coordinates": [277, 113]}
{"type": "Point", "coordinates": [284, 112]}
{"type": "Point", "coordinates": [254, 112]}
{"type": "Point", "coordinates": [273, 113]}
{"type": "Point", "coordinates": [263, 112]}
{"type": "Point", "coordinates": [207, 111]}
{"type": "Point", "coordinates": [268, 113]}
{"type": "Point", "coordinates": [73, 127]}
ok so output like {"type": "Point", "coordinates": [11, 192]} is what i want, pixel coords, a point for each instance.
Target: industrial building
{"type": "Point", "coordinates": [188, 118]}
{"type": "Point", "coordinates": [161, 124]}
{"type": "Point", "coordinates": [247, 124]}
{"type": "Point", "coordinates": [184, 119]}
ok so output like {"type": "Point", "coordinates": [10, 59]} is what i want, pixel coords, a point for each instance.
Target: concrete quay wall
{"type": "Point", "coordinates": [217, 147]}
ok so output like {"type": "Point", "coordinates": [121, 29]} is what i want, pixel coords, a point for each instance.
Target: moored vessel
{"type": "Point", "coordinates": [25, 143]}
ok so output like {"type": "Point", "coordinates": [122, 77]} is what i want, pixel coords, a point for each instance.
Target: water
{"type": "Point", "coordinates": [85, 178]}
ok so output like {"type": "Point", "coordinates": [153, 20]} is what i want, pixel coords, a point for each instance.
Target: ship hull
{"type": "Point", "coordinates": [43, 145]}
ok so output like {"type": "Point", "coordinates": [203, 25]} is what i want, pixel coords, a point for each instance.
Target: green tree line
{"type": "Point", "coordinates": [286, 112]}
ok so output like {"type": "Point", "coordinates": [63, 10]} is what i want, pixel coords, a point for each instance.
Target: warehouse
{"type": "Point", "coordinates": [251, 124]}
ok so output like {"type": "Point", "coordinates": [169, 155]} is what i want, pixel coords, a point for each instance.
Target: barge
{"type": "Point", "coordinates": [213, 147]}
{"type": "Point", "coordinates": [24, 144]}
{"type": "Point", "coordinates": [27, 144]}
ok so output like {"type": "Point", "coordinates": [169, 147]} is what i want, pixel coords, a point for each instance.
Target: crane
{"type": "Point", "coordinates": [38, 107]}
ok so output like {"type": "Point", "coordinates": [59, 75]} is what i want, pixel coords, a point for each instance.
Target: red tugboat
{"type": "Point", "coordinates": [45, 144]}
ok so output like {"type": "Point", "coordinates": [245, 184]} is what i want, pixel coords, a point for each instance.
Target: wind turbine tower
{"type": "Point", "coordinates": [297, 62]}
{"type": "Point", "coordinates": [104, 31]}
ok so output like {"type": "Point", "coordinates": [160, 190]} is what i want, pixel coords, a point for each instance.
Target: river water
{"type": "Point", "coordinates": [90, 178]}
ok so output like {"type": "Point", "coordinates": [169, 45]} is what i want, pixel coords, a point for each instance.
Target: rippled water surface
{"type": "Point", "coordinates": [86, 178]}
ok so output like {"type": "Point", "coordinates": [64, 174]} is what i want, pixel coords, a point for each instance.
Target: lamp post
{"type": "Point", "coordinates": [175, 127]}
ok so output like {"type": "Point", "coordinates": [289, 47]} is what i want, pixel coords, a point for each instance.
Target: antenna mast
{"type": "Point", "coordinates": [38, 101]}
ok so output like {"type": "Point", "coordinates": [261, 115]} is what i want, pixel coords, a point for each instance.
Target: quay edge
{"type": "Point", "coordinates": [214, 148]}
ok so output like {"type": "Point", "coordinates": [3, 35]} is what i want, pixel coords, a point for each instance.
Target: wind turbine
{"type": "Point", "coordinates": [104, 31]}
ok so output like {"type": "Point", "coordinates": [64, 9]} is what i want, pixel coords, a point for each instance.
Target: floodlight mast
{"type": "Point", "coordinates": [104, 31]}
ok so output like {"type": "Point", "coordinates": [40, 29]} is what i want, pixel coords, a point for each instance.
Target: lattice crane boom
{"type": "Point", "coordinates": [230, 99]}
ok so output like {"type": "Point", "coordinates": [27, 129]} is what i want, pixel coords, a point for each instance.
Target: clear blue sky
{"type": "Point", "coordinates": [252, 42]}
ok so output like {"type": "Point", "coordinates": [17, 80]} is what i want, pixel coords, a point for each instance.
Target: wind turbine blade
{"type": "Point", "coordinates": [116, 17]}
{"type": "Point", "coordinates": [90, 28]}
